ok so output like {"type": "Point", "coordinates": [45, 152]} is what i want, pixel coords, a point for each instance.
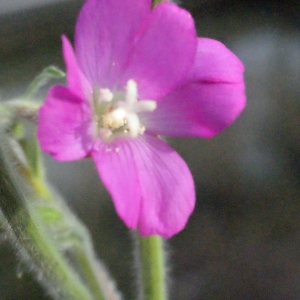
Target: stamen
{"type": "Point", "coordinates": [120, 116]}
{"type": "Point", "coordinates": [114, 119]}
{"type": "Point", "coordinates": [105, 95]}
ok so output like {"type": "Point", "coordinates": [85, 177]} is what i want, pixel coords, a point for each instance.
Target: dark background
{"type": "Point", "coordinates": [243, 239]}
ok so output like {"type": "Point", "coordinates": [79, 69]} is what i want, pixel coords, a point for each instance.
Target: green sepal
{"type": "Point", "coordinates": [42, 79]}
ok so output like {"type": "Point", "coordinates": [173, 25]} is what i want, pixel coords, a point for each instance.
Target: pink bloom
{"type": "Point", "coordinates": [138, 73]}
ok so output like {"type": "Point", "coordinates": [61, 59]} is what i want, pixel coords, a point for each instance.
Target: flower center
{"type": "Point", "coordinates": [118, 115]}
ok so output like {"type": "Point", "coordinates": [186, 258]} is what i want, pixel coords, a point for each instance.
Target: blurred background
{"type": "Point", "coordinates": [243, 239]}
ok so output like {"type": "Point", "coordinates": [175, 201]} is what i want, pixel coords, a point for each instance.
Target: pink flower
{"type": "Point", "coordinates": [136, 74]}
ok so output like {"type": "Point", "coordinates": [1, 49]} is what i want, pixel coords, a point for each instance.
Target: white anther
{"type": "Point", "coordinates": [115, 119]}
{"type": "Point", "coordinates": [105, 95]}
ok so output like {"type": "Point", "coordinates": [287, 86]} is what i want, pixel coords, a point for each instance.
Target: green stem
{"type": "Point", "coordinates": [81, 249]}
{"type": "Point", "coordinates": [55, 221]}
{"type": "Point", "coordinates": [62, 275]}
{"type": "Point", "coordinates": [29, 237]}
{"type": "Point", "coordinates": [152, 267]}
{"type": "Point", "coordinates": [94, 276]}
{"type": "Point", "coordinates": [88, 271]}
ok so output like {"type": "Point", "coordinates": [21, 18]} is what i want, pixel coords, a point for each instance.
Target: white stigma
{"type": "Point", "coordinates": [119, 115]}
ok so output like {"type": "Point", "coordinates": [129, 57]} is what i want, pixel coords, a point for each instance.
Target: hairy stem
{"type": "Point", "coordinates": [151, 264]}
{"type": "Point", "coordinates": [30, 238]}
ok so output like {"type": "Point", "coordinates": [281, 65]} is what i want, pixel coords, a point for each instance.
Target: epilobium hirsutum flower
{"type": "Point", "coordinates": [138, 73]}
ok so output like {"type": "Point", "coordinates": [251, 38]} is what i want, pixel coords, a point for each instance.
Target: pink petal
{"type": "Point", "coordinates": [164, 52]}
{"type": "Point", "coordinates": [115, 164]}
{"type": "Point", "coordinates": [215, 63]}
{"type": "Point", "coordinates": [64, 125]}
{"type": "Point", "coordinates": [77, 82]}
{"type": "Point", "coordinates": [202, 109]}
{"type": "Point", "coordinates": [151, 186]}
{"type": "Point", "coordinates": [212, 98]}
{"type": "Point", "coordinates": [167, 187]}
{"type": "Point", "coordinates": [105, 34]}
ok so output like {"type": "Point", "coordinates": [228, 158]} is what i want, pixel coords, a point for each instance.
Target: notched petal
{"type": "Point", "coordinates": [164, 51]}
{"type": "Point", "coordinates": [77, 82]}
{"type": "Point", "coordinates": [151, 186]}
{"type": "Point", "coordinates": [197, 109]}
{"type": "Point", "coordinates": [215, 63]}
{"type": "Point", "coordinates": [65, 127]}
{"type": "Point", "coordinates": [105, 34]}
{"type": "Point", "coordinates": [117, 170]}
{"type": "Point", "coordinates": [167, 188]}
